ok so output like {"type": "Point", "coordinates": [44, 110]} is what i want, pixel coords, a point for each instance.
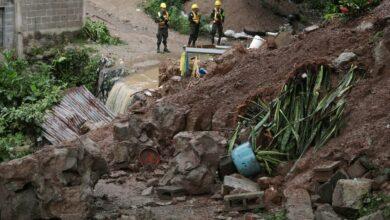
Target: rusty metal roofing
{"type": "Point", "coordinates": [64, 121]}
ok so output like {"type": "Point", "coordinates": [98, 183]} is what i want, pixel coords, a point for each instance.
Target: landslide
{"type": "Point", "coordinates": [239, 75]}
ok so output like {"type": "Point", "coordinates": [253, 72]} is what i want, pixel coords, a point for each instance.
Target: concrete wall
{"type": "Point", "coordinates": [53, 16]}
{"type": "Point", "coordinates": [7, 8]}
{"type": "Point", "coordinates": [21, 18]}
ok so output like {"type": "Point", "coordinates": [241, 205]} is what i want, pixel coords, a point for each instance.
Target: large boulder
{"type": "Point", "coordinates": [196, 160]}
{"type": "Point", "coordinates": [348, 195]}
{"type": "Point", "coordinates": [55, 182]}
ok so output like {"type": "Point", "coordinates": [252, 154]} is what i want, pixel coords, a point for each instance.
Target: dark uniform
{"type": "Point", "coordinates": [218, 17]}
{"type": "Point", "coordinates": [194, 19]}
{"type": "Point", "coordinates": [162, 32]}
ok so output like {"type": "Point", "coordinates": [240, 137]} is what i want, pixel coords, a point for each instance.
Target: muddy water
{"type": "Point", "coordinates": [120, 95]}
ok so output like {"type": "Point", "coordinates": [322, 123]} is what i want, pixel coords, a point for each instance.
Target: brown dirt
{"type": "Point", "coordinates": [242, 14]}
{"type": "Point", "coordinates": [263, 72]}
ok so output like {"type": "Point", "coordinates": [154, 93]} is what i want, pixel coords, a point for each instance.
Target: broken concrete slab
{"type": "Point", "coordinates": [325, 191]}
{"type": "Point", "coordinates": [244, 201]}
{"type": "Point", "coordinates": [348, 195]}
{"type": "Point", "coordinates": [238, 182]}
{"type": "Point", "coordinates": [326, 212]}
{"type": "Point", "coordinates": [344, 58]}
{"type": "Point", "coordinates": [298, 204]}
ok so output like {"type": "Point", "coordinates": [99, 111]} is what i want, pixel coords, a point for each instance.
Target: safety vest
{"type": "Point", "coordinates": [195, 17]}
{"type": "Point", "coordinates": [162, 22]}
{"type": "Point", "coordinates": [216, 13]}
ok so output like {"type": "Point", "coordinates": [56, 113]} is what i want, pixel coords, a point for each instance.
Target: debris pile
{"type": "Point", "coordinates": [166, 155]}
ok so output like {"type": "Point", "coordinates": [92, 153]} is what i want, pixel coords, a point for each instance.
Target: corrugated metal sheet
{"type": "Point", "coordinates": [78, 106]}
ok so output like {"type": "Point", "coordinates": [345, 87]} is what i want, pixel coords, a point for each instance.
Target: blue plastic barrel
{"type": "Point", "coordinates": [245, 160]}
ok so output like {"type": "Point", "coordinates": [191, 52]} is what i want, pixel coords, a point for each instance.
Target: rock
{"type": "Point", "coordinates": [152, 182]}
{"type": "Point", "coordinates": [348, 194]}
{"type": "Point", "coordinates": [170, 119]}
{"type": "Point", "coordinates": [325, 191]}
{"type": "Point", "coordinates": [379, 181]}
{"type": "Point", "coordinates": [324, 172]}
{"type": "Point", "coordinates": [169, 192]}
{"type": "Point", "coordinates": [311, 28]}
{"type": "Point", "coordinates": [197, 181]}
{"type": "Point", "coordinates": [326, 212]}
{"type": "Point", "coordinates": [264, 182]}
{"type": "Point", "coordinates": [356, 170]}
{"type": "Point", "coordinates": [298, 205]}
{"type": "Point", "coordinates": [195, 161]}
{"type": "Point", "coordinates": [55, 182]}
{"type": "Point", "coordinates": [117, 174]}
{"type": "Point", "coordinates": [382, 53]}
{"type": "Point", "coordinates": [159, 173]}
{"type": "Point", "coordinates": [344, 58]}
{"type": "Point", "coordinates": [176, 78]}
{"type": "Point", "coordinates": [374, 216]}
{"type": "Point", "coordinates": [121, 131]}
{"type": "Point", "coordinates": [238, 182]}
{"type": "Point", "coordinates": [272, 197]}
{"type": "Point", "coordinates": [148, 191]}
{"type": "Point", "coordinates": [121, 153]}
{"type": "Point", "coordinates": [365, 26]}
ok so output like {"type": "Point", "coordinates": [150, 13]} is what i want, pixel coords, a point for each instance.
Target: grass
{"type": "Point", "coordinates": [375, 202]}
{"type": "Point", "coordinates": [307, 113]}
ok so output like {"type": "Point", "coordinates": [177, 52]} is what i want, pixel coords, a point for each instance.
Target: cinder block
{"type": "Point", "coordinates": [244, 201]}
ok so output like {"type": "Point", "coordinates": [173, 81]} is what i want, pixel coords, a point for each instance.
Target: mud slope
{"type": "Point", "coordinates": [214, 100]}
{"type": "Point", "coordinates": [242, 14]}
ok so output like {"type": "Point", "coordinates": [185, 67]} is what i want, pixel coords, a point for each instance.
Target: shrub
{"type": "Point", "coordinates": [348, 8]}
{"type": "Point", "coordinates": [97, 31]}
{"type": "Point", "coordinates": [75, 67]}
{"type": "Point", "coordinates": [26, 92]}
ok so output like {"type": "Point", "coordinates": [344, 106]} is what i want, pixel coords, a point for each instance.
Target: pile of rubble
{"type": "Point", "coordinates": [167, 157]}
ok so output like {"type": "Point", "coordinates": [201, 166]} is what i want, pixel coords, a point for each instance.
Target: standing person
{"type": "Point", "coordinates": [194, 18]}
{"type": "Point", "coordinates": [163, 26]}
{"type": "Point", "coordinates": [218, 18]}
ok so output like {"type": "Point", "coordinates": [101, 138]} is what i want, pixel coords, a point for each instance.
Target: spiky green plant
{"type": "Point", "coordinates": [307, 113]}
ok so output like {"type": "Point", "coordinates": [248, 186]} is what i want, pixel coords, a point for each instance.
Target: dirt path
{"type": "Point", "coordinates": [126, 19]}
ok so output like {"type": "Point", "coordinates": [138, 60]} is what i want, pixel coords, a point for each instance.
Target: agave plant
{"type": "Point", "coordinates": [308, 112]}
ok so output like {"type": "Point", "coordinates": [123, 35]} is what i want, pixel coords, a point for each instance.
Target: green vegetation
{"type": "Point", "coordinates": [76, 67]}
{"type": "Point", "coordinates": [177, 21]}
{"type": "Point", "coordinates": [28, 89]}
{"type": "Point", "coordinates": [98, 32]}
{"type": "Point", "coordinates": [281, 215]}
{"type": "Point", "coordinates": [307, 113]}
{"type": "Point", "coordinates": [375, 202]}
{"type": "Point", "coordinates": [342, 8]}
